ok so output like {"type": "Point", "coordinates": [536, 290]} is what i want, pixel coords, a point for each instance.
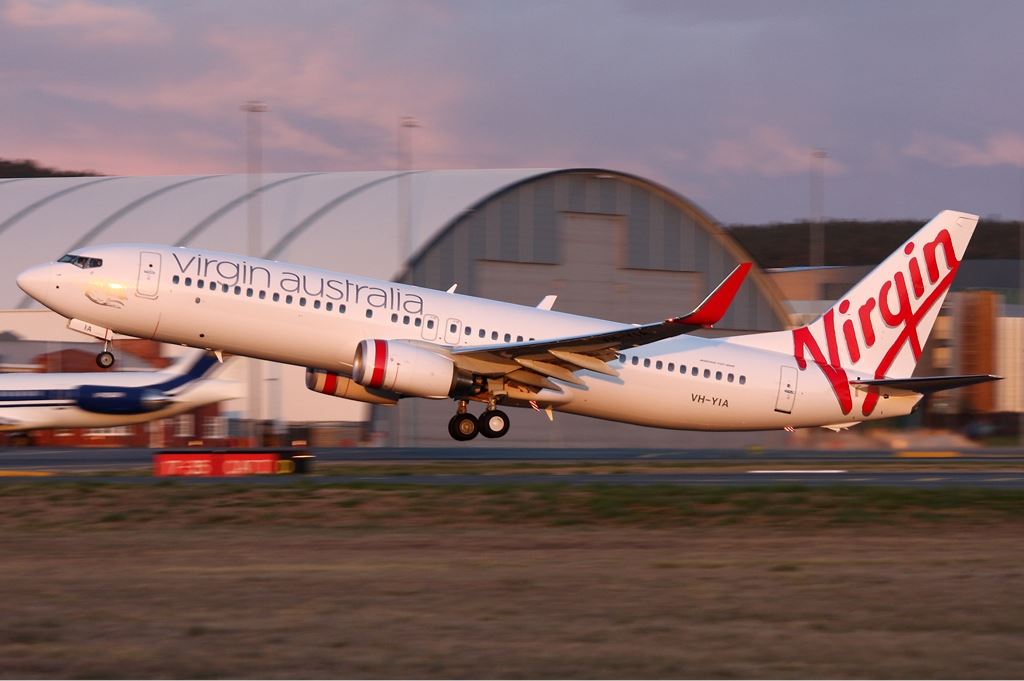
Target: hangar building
{"type": "Point", "coordinates": [607, 243]}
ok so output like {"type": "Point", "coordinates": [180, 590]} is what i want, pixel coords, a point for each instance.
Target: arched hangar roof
{"type": "Point", "coordinates": [345, 221]}
{"type": "Point", "coordinates": [611, 244]}
{"type": "Point", "coordinates": [348, 221]}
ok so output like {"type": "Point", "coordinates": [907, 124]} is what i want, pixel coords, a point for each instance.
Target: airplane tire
{"type": "Point", "coordinates": [105, 359]}
{"type": "Point", "coordinates": [463, 427]}
{"type": "Point", "coordinates": [494, 423]}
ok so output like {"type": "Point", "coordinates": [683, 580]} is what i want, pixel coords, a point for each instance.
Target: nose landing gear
{"type": "Point", "coordinates": [105, 359]}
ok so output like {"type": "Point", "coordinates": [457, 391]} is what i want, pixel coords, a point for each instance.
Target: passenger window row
{"type": "Point", "coordinates": [693, 371]}
{"type": "Point", "coordinates": [329, 306]}
{"type": "Point", "coordinates": [276, 297]}
{"type": "Point", "coordinates": [467, 331]}
{"type": "Point", "coordinates": [410, 319]}
{"type": "Point", "coordinates": [23, 394]}
{"type": "Point", "coordinates": [495, 335]}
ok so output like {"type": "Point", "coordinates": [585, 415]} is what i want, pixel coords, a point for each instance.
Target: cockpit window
{"type": "Point", "coordinates": [81, 261]}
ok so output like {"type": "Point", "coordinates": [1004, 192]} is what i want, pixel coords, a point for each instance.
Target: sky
{"type": "Point", "coordinates": [917, 104]}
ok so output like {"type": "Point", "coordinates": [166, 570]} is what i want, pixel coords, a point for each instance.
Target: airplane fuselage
{"type": "Point", "coordinates": [317, 318]}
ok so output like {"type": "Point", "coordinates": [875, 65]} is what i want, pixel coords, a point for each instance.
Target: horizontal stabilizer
{"type": "Point", "coordinates": [928, 384]}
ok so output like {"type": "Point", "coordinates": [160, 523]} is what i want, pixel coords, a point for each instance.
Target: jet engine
{"type": "Point", "coordinates": [336, 385]}
{"type": "Point", "coordinates": [108, 399]}
{"type": "Point", "coordinates": [407, 369]}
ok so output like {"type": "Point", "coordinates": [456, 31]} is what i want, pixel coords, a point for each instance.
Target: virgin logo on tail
{"type": "Point", "coordinates": [888, 318]}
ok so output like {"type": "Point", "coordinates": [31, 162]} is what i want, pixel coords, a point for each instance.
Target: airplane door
{"type": "Point", "coordinates": [787, 390]}
{"type": "Point", "coordinates": [429, 327]}
{"type": "Point", "coordinates": [452, 331]}
{"type": "Point", "coordinates": [149, 274]}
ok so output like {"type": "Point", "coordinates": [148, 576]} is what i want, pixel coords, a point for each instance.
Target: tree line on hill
{"type": "Point", "coordinates": [856, 242]}
{"type": "Point", "coordinates": [24, 167]}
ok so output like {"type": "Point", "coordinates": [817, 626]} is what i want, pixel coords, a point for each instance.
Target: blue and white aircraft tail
{"type": "Point", "coordinates": [103, 400]}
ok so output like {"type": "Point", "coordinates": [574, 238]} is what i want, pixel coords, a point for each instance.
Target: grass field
{"type": "Point", "coordinates": [371, 581]}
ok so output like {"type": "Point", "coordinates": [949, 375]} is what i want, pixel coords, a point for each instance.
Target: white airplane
{"type": "Point", "coordinates": [378, 341]}
{"type": "Point", "coordinates": [103, 400]}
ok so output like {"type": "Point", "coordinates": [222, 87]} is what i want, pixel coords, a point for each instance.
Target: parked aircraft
{"type": "Point", "coordinates": [103, 400]}
{"type": "Point", "coordinates": [379, 341]}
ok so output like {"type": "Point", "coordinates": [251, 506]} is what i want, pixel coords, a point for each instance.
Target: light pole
{"type": "Point", "coordinates": [274, 388]}
{"type": "Point", "coordinates": [1020, 308]}
{"type": "Point", "coordinates": [254, 170]}
{"type": "Point", "coordinates": [406, 124]}
{"type": "Point", "coordinates": [817, 235]}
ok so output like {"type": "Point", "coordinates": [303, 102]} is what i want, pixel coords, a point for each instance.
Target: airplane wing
{"type": "Point", "coordinates": [533, 362]}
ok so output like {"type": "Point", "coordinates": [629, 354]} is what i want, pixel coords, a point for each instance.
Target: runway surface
{"type": "Point", "coordinates": [116, 459]}
{"type": "Point", "coordinates": [998, 469]}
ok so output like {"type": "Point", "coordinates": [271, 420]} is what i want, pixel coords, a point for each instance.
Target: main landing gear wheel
{"type": "Point", "coordinates": [105, 359]}
{"type": "Point", "coordinates": [463, 427]}
{"type": "Point", "coordinates": [493, 423]}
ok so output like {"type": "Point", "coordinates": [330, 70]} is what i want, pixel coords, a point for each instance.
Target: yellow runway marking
{"type": "Point", "coordinates": [24, 474]}
{"type": "Point", "coordinates": [927, 455]}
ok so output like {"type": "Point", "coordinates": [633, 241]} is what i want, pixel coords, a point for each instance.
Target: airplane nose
{"type": "Point", "coordinates": [35, 281]}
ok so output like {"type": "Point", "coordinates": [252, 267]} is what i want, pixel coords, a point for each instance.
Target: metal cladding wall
{"type": "Point", "coordinates": [609, 245]}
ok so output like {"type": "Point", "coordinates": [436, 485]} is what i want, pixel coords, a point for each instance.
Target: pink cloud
{"type": "Point", "coordinates": [338, 81]}
{"type": "Point", "coordinates": [1003, 148]}
{"type": "Point", "coordinates": [87, 20]}
{"type": "Point", "coordinates": [764, 151]}
{"type": "Point", "coordinates": [326, 77]}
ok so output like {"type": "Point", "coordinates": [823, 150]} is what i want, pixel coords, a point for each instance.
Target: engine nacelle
{"type": "Point", "coordinates": [108, 399]}
{"type": "Point", "coordinates": [336, 385]}
{"type": "Point", "coordinates": [407, 369]}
